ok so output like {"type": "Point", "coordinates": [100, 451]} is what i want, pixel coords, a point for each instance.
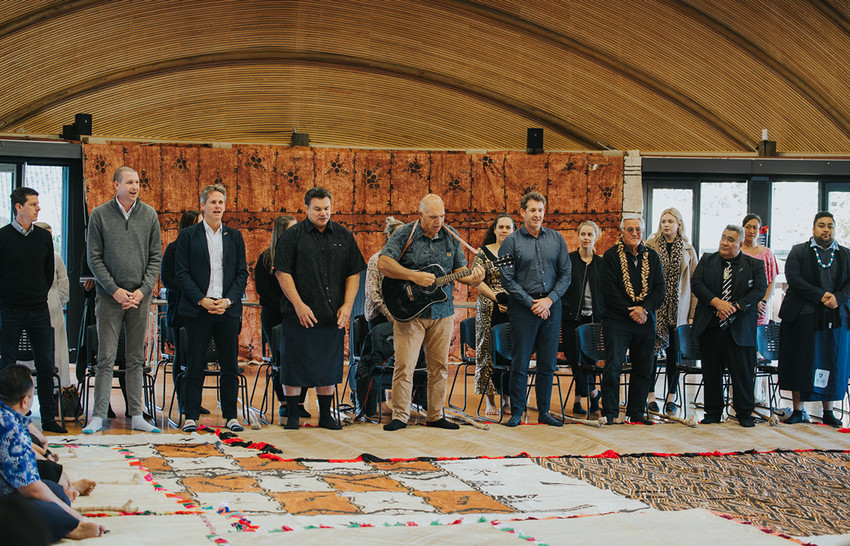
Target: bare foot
{"type": "Point", "coordinates": [491, 409]}
{"type": "Point", "coordinates": [87, 529]}
{"type": "Point", "coordinates": [84, 486]}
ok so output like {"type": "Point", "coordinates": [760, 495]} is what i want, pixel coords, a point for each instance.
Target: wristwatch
{"type": "Point", "coordinates": [229, 302]}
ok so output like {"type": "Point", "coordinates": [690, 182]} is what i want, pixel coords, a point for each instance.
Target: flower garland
{"type": "Point", "coordinates": [644, 273]}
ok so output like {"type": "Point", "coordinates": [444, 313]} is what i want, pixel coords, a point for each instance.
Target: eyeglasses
{"type": "Point", "coordinates": [632, 230]}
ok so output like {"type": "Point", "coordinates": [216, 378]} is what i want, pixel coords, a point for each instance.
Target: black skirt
{"type": "Point", "coordinates": [312, 357]}
{"type": "Point", "coordinates": [814, 362]}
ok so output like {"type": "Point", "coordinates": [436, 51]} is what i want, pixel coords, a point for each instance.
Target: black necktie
{"type": "Point", "coordinates": [726, 293]}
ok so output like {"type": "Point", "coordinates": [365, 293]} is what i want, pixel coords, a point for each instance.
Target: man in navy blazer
{"type": "Point", "coordinates": [212, 273]}
{"type": "Point", "coordinates": [728, 285]}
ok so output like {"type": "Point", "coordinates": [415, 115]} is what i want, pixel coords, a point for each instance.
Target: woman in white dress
{"type": "Point", "coordinates": [57, 297]}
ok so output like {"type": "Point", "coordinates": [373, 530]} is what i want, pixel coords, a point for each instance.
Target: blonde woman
{"type": "Point", "coordinates": [679, 260]}
{"type": "Point", "coordinates": [582, 304]}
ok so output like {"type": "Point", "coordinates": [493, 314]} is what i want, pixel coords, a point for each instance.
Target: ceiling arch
{"type": "Point", "coordinates": [656, 75]}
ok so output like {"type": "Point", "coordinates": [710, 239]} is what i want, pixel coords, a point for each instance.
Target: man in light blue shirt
{"type": "Point", "coordinates": [536, 283]}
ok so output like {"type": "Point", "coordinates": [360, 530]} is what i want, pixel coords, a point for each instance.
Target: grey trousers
{"type": "Point", "coordinates": [110, 319]}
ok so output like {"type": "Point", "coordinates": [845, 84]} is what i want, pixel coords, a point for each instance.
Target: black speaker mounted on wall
{"type": "Point", "coordinates": [534, 140]}
{"type": "Point", "coordinates": [299, 139]}
{"type": "Point", "coordinates": [81, 126]}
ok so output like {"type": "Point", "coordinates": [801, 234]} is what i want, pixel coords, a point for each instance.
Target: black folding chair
{"type": "Point", "coordinates": [467, 341]}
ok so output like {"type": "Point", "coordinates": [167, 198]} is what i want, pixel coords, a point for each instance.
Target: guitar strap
{"type": "Point", "coordinates": [450, 232]}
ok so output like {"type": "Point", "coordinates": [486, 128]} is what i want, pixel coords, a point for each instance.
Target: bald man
{"type": "Point", "coordinates": [411, 248]}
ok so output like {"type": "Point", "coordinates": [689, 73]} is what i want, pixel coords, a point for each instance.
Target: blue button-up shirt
{"type": "Point", "coordinates": [443, 249]}
{"type": "Point", "coordinates": [542, 265]}
{"type": "Point", "coordinates": [17, 459]}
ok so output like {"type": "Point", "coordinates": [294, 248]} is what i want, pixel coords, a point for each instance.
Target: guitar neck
{"type": "Point", "coordinates": [451, 277]}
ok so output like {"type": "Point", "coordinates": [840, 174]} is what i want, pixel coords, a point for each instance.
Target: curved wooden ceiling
{"type": "Point", "coordinates": [654, 75]}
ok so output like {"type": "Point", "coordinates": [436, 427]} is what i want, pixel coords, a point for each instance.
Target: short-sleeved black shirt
{"type": "Point", "coordinates": [319, 262]}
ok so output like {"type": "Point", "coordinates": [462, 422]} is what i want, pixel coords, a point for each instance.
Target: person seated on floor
{"type": "Point", "coordinates": [50, 469]}
{"type": "Point", "coordinates": [19, 471]}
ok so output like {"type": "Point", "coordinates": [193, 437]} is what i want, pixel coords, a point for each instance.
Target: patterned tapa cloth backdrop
{"type": "Point", "coordinates": [367, 186]}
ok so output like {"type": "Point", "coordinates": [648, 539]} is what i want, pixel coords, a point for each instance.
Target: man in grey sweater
{"type": "Point", "coordinates": [124, 254]}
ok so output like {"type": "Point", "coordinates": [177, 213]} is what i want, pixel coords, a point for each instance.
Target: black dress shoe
{"type": "Point", "coordinates": [578, 410]}
{"type": "Point", "coordinates": [653, 406]}
{"type": "Point", "coordinates": [395, 424]}
{"type": "Point", "coordinates": [204, 411]}
{"type": "Point", "coordinates": [710, 420]}
{"type": "Point", "coordinates": [442, 422]}
{"type": "Point", "coordinates": [546, 419]}
{"type": "Point", "coordinates": [746, 422]}
{"type": "Point", "coordinates": [53, 426]}
{"type": "Point", "coordinates": [831, 420]}
{"type": "Point", "coordinates": [640, 419]}
{"type": "Point", "coordinates": [513, 421]}
{"type": "Point", "coordinates": [303, 411]}
{"type": "Point", "coordinates": [110, 414]}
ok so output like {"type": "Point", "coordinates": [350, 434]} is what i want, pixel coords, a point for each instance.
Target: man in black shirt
{"type": "Point", "coordinates": [318, 264]}
{"type": "Point", "coordinates": [633, 289]}
{"type": "Point", "coordinates": [26, 274]}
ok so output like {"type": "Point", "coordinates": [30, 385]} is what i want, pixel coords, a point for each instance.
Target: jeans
{"type": "Point", "coordinates": [529, 334]}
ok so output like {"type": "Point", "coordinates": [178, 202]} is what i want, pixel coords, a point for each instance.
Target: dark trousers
{"type": "Point", "coordinates": [584, 382]}
{"type": "Point", "coordinates": [671, 367]}
{"type": "Point", "coordinates": [36, 321]}
{"type": "Point", "coordinates": [530, 333]}
{"type": "Point", "coordinates": [640, 347]}
{"type": "Point", "coordinates": [56, 521]}
{"type": "Point", "coordinates": [719, 352]}
{"type": "Point", "coordinates": [225, 331]}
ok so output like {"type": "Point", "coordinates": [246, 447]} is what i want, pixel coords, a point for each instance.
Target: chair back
{"type": "Point", "coordinates": [357, 333]}
{"type": "Point", "coordinates": [767, 341]}
{"type": "Point", "coordinates": [590, 342]}
{"type": "Point", "coordinates": [688, 343]}
{"type": "Point", "coordinates": [277, 345]}
{"type": "Point", "coordinates": [467, 339]}
{"type": "Point", "coordinates": [24, 347]}
{"type": "Point", "coordinates": [500, 342]}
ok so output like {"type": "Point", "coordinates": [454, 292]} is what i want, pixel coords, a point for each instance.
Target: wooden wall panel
{"type": "Point", "coordinates": [335, 172]}
{"type": "Point", "coordinates": [411, 181]}
{"type": "Point", "coordinates": [367, 186]}
{"type": "Point", "coordinates": [256, 178]}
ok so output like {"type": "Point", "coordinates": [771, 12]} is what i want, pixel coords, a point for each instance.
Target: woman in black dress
{"type": "Point", "coordinates": [270, 298]}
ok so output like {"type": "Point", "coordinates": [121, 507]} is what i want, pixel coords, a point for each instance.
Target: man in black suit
{"type": "Point", "coordinates": [212, 273]}
{"type": "Point", "coordinates": [814, 338]}
{"type": "Point", "coordinates": [728, 285]}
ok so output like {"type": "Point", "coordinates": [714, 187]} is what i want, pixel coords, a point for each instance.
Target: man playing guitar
{"type": "Point", "coordinates": [413, 247]}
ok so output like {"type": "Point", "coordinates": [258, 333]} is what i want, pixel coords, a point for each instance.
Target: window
{"type": "Point", "coordinates": [680, 198]}
{"type": "Point", "coordinates": [838, 203]}
{"type": "Point", "coordinates": [793, 205]}
{"type": "Point", "coordinates": [7, 182]}
{"type": "Point", "coordinates": [721, 204]}
{"type": "Point", "coordinates": [50, 181]}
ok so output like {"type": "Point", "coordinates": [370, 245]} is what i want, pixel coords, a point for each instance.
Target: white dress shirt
{"type": "Point", "coordinates": [215, 247]}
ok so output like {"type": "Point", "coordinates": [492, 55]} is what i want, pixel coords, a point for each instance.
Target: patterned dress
{"type": "Point", "coordinates": [487, 315]}
{"type": "Point", "coordinates": [771, 270]}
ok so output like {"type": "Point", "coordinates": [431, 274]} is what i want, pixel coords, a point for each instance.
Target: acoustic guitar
{"type": "Point", "coordinates": [406, 300]}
